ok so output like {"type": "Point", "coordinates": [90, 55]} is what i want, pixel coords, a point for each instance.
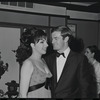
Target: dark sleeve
{"type": "Point", "coordinates": [47, 83]}
{"type": "Point", "coordinates": [84, 77]}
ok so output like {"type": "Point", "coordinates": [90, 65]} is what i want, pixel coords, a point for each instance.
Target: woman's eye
{"type": "Point", "coordinates": [41, 42]}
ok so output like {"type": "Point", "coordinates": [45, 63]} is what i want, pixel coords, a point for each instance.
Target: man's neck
{"type": "Point", "coordinates": [61, 51]}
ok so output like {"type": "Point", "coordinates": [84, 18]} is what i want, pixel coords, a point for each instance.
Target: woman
{"type": "Point", "coordinates": [34, 70]}
{"type": "Point", "coordinates": [93, 55]}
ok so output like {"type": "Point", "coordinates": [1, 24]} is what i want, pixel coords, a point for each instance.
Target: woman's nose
{"type": "Point", "coordinates": [46, 44]}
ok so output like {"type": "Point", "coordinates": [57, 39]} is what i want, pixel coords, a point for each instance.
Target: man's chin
{"type": "Point", "coordinates": [55, 48]}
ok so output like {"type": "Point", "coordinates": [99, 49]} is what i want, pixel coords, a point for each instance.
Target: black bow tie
{"type": "Point", "coordinates": [58, 54]}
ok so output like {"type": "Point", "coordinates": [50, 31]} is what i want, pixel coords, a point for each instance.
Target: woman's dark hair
{"type": "Point", "coordinates": [97, 55]}
{"type": "Point", "coordinates": [30, 35]}
{"type": "Point", "coordinates": [94, 49]}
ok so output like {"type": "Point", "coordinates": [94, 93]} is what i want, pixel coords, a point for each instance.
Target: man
{"type": "Point", "coordinates": [71, 78]}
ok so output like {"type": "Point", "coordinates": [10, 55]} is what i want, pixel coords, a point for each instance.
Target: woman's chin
{"type": "Point", "coordinates": [44, 52]}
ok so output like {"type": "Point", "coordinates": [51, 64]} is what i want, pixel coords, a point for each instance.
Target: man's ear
{"type": "Point", "coordinates": [66, 39]}
{"type": "Point", "coordinates": [32, 45]}
{"type": "Point", "coordinates": [93, 54]}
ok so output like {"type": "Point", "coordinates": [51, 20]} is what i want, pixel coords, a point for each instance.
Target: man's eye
{"type": "Point", "coordinates": [87, 52]}
{"type": "Point", "coordinates": [56, 38]}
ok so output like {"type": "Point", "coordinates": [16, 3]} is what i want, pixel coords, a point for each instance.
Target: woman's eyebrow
{"type": "Point", "coordinates": [42, 39]}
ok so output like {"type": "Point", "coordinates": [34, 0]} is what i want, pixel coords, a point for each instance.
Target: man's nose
{"type": "Point", "coordinates": [52, 41]}
{"type": "Point", "coordinates": [85, 53]}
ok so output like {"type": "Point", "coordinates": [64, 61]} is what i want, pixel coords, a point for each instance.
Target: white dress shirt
{"type": "Point", "coordinates": [61, 62]}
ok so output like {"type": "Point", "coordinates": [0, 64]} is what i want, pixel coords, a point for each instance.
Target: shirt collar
{"type": "Point", "coordinates": [66, 52]}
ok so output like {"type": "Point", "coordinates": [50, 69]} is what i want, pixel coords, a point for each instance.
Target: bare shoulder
{"type": "Point", "coordinates": [27, 66]}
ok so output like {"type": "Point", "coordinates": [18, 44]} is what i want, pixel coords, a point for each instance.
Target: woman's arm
{"type": "Point", "coordinates": [26, 72]}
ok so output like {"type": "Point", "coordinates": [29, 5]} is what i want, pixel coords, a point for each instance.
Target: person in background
{"type": "Point", "coordinates": [34, 70]}
{"type": "Point", "coordinates": [70, 69]}
{"type": "Point", "coordinates": [93, 54]}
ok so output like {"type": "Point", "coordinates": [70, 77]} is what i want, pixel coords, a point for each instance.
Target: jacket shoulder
{"type": "Point", "coordinates": [80, 56]}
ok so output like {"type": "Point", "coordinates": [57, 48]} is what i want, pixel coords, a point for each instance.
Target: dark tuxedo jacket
{"type": "Point", "coordinates": [75, 79]}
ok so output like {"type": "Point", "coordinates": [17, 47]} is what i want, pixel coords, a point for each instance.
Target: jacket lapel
{"type": "Point", "coordinates": [65, 68]}
{"type": "Point", "coordinates": [54, 70]}
{"type": "Point", "coordinates": [55, 73]}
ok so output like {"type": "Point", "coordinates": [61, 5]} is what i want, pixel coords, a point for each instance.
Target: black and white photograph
{"type": "Point", "coordinates": [50, 50]}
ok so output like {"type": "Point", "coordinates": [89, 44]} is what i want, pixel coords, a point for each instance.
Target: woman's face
{"type": "Point", "coordinates": [41, 46]}
{"type": "Point", "coordinates": [88, 53]}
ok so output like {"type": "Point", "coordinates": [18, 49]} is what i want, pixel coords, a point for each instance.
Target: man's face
{"type": "Point", "coordinates": [57, 41]}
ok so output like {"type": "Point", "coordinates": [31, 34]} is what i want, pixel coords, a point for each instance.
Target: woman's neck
{"type": "Point", "coordinates": [36, 56]}
{"type": "Point", "coordinates": [91, 60]}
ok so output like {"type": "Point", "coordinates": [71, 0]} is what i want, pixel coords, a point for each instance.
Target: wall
{"type": "Point", "coordinates": [21, 18]}
{"type": "Point", "coordinates": [99, 35]}
{"type": "Point", "coordinates": [38, 8]}
{"type": "Point", "coordinates": [9, 40]}
{"type": "Point", "coordinates": [87, 30]}
{"type": "Point", "coordinates": [82, 15]}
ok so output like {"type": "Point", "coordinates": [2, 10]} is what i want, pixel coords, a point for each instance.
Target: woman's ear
{"type": "Point", "coordinates": [66, 39]}
{"type": "Point", "coordinates": [32, 45]}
